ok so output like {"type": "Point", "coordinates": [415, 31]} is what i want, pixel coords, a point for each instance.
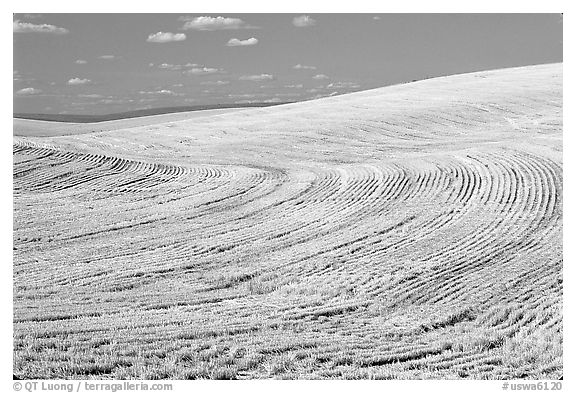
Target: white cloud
{"type": "Point", "coordinates": [303, 67]}
{"type": "Point", "coordinates": [19, 78]}
{"type": "Point", "coordinates": [28, 91]}
{"type": "Point", "coordinates": [303, 21]}
{"type": "Point", "coordinates": [202, 71]}
{"type": "Point", "coordinates": [210, 23]}
{"type": "Point", "coordinates": [320, 76]}
{"type": "Point", "coordinates": [163, 92]}
{"type": "Point", "coordinates": [343, 85]}
{"type": "Point", "coordinates": [26, 27]}
{"type": "Point", "coordinates": [287, 94]}
{"type": "Point", "coordinates": [237, 42]}
{"type": "Point", "coordinates": [78, 81]}
{"type": "Point", "coordinates": [257, 78]}
{"type": "Point", "coordinates": [241, 95]}
{"type": "Point", "coordinates": [80, 61]}
{"type": "Point", "coordinates": [376, 18]}
{"type": "Point", "coordinates": [113, 101]}
{"type": "Point", "coordinates": [298, 86]}
{"type": "Point", "coordinates": [172, 67]}
{"type": "Point", "coordinates": [161, 37]}
{"type": "Point", "coordinates": [178, 67]}
{"type": "Point", "coordinates": [215, 83]}
{"type": "Point", "coordinates": [107, 57]}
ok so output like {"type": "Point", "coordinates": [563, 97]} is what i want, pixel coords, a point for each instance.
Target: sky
{"type": "Point", "coordinates": [108, 63]}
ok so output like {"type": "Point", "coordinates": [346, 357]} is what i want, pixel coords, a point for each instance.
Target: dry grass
{"type": "Point", "coordinates": [413, 231]}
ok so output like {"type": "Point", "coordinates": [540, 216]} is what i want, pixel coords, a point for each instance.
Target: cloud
{"type": "Point", "coordinates": [202, 71]}
{"type": "Point", "coordinates": [80, 61]}
{"type": "Point", "coordinates": [210, 23]}
{"type": "Point", "coordinates": [257, 78]}
{"type": "Point", "coordinates": [162, 38]}
{"type": "Point", "coordinates": [376, 18]}
{"type": "Point", "coordinates": [26, 27]}
{"type": "Point", "coordinates": [78, 81]}
{"type": "Point", "coordinates": [287, 94]}
{"type": "Point", "coordinates": [242, 95]}
{"type": "Point", "coordinates": [115, 101]}
{"type": "Point", "coordinates": [299, 86]}
{"type": "Point", "coordinates": [28, 91]}
{"type": "Point", "coordinates": [215, 83]}
{"type": "Point", "coordinates": [303, 67]}
{"type": "Point", "coordinates": [237, 42]}
{"type": "Point", "coordinates": [163, 92]}
{"type": "Point", "coordinates": [343, 85]}
{"type": "Point", "coordinates": [171, 67]}
{"type": "Point", "coordinates": [107, 57]}
{"type": "Point", "coordinates": [303, 21]}
{"type": "Point", "coordinates": [188, 68]}
{"type": "Point", "coordinates": [166, 92]}
{"type": "Point", "coordinates": [320, 77]}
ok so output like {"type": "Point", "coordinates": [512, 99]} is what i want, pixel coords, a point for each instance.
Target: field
{"type": "Point", "coordinates": [31, 127]}
{"type": "Point", "coordinates": [412, 231]}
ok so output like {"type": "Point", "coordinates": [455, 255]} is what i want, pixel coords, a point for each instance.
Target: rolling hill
{"type": "Point", "coordinates": [412, 231]}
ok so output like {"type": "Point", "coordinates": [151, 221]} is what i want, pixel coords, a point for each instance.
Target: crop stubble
{"type": "Point", "coordinates": [412, 231]}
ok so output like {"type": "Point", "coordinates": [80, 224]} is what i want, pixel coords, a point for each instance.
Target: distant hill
{"type": "Point", "coordinates": [136, 113]}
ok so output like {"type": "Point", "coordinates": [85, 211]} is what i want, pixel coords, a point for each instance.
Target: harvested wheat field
{"type": "Point", "coordinates": [412, 231]}
{"type": "Point", "coordinates": [28, 127]}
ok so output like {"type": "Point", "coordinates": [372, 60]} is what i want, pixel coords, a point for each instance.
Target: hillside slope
{"type": "Point", "coordinates": [412, 231]}
{"type": "Point", "coordinates": [42, 128]}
